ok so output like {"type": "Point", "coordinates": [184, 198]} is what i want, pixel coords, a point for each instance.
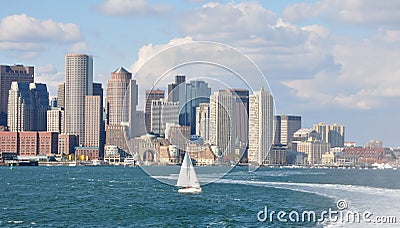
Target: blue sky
{"type": "Point", "coordinates": [329, 60]}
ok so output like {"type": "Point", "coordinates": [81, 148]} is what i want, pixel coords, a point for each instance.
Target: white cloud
{"type": "Point", "coordinates": [350, 11]}
{"type": "Point", "coordinates": [23, 28]}
{"type": "Point", "coordinates": [79, 47]}
{"type": "Point", "coordinates": [132, 8]}
{"type": "Point", "coordinates": [49, 75]}
{"type": "Point", "coordinates": [25, 37]}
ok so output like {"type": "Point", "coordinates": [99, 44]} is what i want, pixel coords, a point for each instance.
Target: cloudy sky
{"type": "Point", "coordinates": [329, 60]}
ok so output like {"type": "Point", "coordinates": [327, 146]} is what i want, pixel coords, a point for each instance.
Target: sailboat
{"type": "Point", "coordinates": [187, 177]}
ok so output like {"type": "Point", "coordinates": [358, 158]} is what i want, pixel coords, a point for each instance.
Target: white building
{"type": "Point", "coordinates": [223, 122]}
{"type": "Point", "coordinates": [163, 112]}
{"type": "Point", "coordinates": [78, 84]}
{"type": "Point", "coordinates": [314, 150]}
{"type": "Point", "coordinates": [55, 120]}
{"type": "Point", "coordinates": [203, 121]}
{"type": "Point", "coordinates": [331, 133]}
{"type": "Point", "coordinates": [260, 127]}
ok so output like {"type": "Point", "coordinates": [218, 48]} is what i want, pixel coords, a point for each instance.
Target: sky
{"type": "Point", "coordinates": [332, 61]}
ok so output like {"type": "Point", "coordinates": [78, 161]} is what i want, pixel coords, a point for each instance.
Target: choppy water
{"type": "Point", "coordinates": [128, 197]}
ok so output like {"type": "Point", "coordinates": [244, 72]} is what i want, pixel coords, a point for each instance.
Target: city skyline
{"type": "Point", "coordinates": [335, 63]}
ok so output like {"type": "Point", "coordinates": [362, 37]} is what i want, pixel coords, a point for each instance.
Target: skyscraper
{"type": "Point", "coordinates": [203, 121]}
{"type": "Point", "coordinates": [223, 122]}
{"type": "Point", "coordinates": [118, 107]}
{"type": "Point", "coordinates": [8, 74]}
{"type": "Point", "coordinates": [78, 84]}
{"type": "Point", "coordinates": [27, 106]}
{"type": "Point", "coordinates": [173, 92]}
{"type": "Point", "coordinates": [61, 95]}
{"type": "Point", "coordinates": [116, 89]}
{"type": "Point", "coordinates": [260, 127]}
{"type": "Point", "coordinates": [150, 96]}
{"type": "Point", "coordinates": [94, 123]}
{"type": "Point", "coordinates": [242, 115]}
{"type": "Point", "coordinates": [331, 133]}
{"type": "Point", "coordinates": [20, 109]}
{"type": "Point", "coordinates": [190, 96]}
{"type": "Point", "coordinates": [40, 102]}
{"type": "Point", "coordinates": [163, 112]}
{"type": "Point", "coordinates": [285, 127]}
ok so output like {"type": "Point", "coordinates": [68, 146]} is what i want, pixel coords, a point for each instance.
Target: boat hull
{"type": "Point", "coordinates": [190, 190]}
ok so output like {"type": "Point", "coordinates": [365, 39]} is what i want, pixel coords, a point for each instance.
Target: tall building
{"type": "Point", "coordinates": [117, 107]}
{"type": "Point", "coordinates": [223, 122]}
{"type": "Point", "coordinates": [242, 114]}
{"type": "Point", "coordinates": [27, 107]}
{"type": "Point", "coordinates": [260, 127]}
{"type": "Point", "coordinates": [203, 121]}
{"type": "Point", "coordinates": [285, 127]}
{"type": "Point", "coordinates": [40, 102]}
{"type": "Point", "coordinates": [78, 84]}
{"type": "Point", "coordinates": [150, 96]}
{"type": "Point", "coordinates": [55, 120]}
{"type": "Point", "coordinates": [173, 91]}
{"type": "Point", "coordinates": [116, 90]}
{"type": "Point", "coordinates": [94, 123]}
{"type": "Point", "coordinates": [8, 74]}
{"type": "Point", "coordinates": [163, 112]}
{"type": "Point", "coordinates": [331, 133]}
{"type": "Point", "coordinates": [190, 96]}
{"type": "Point", "coordinates": [61, 95]}
{"type": "Point", "coordinates": [20, 109]}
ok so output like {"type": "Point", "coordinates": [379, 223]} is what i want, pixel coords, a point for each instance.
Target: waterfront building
{"type": "Point", "coordinates": [285, 127]}
{"type": "Point", "coordinates": [67, 144]}
{"type": "Point", "coordinates": [87, 153]}
{"type": "Point", "coordinates": [78, 85]}
{"type": "Point", "coordinates": [203, 121]}
{"type": "Point", "coordinates": [331, 133]}
{"type": "Point", "coordinates": [150, 96]}
{"type": "Point", "coordinates": [29, 143]}
{"type": "Point", "coordinates": [163, 112]}
{"type": "Point", "coordinates": [61, 95]}
{"type": "Point", "coordinates": [260, 127]}
{"type": "Point", "coordinates": [313, 150]}
{"type": "Point", "coordinates": [55, 120]}
{"type": "Point", "coordinates": [9, 74]}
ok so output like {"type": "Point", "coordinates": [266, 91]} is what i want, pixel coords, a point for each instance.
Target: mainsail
{"type": "Point", "coordinates": [187, 176]}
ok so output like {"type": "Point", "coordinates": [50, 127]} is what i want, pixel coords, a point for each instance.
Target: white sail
{"type": "Point", "coordinates": [187, 176]}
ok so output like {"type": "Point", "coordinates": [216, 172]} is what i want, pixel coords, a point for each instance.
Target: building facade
{"type": "Point", "coordinates": [203, 121]}
{"type": "Point", "coordinates": [9, 74]}
{"type": "Point", "coordinates": [94, 123]}
{"type": "Point", "coordinates": [61, 95]}
{"type": "Point", "coordinates": [78, 84]}
{"type": "Point", "coordinates": [223, 123]}
{"type": "Point", "coordinates": [150, 96]}
{"type": "Point", "coordinates": [27, 107]}
{"type": "Point", "coordinates": [260, 127]}
{"type": "Point", "coordinates": [331, 133]}
{"type": "Point", "coordinates": [55, 120]}
{"type": "Point", "coordinates": [163, 112]}
{"type": "Point", "coordinates": [285, 127]}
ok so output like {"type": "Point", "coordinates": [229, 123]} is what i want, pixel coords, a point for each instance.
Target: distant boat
{"type": "Point", "coordinates": [187, 177]}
